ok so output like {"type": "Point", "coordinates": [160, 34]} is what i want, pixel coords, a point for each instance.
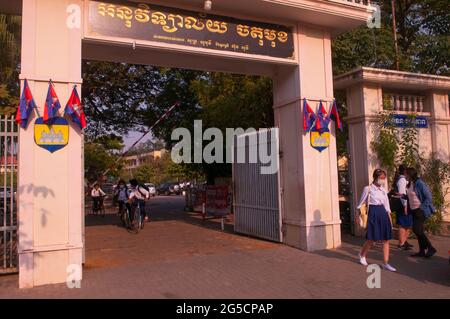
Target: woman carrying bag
{"type": "Point", "coordinates": [379, 224]}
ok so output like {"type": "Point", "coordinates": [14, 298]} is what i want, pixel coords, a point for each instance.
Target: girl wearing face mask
{"type": "Point", "coordinates": [379, 223]}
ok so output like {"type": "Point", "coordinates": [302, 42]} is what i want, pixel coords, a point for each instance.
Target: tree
{"type": "Point", "coordinates": [101, 155]}
{"type": "Point", "coordinates": [10, 27]}
{"type": "Point", "coordinates": [424, 46]}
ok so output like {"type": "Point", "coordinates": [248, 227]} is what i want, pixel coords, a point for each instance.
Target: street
{"type": "Point", "coordinates": [178, 255]}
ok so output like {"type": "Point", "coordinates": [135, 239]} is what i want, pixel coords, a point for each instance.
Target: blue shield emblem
{"type": "Point", "coordinates": [53, 136]}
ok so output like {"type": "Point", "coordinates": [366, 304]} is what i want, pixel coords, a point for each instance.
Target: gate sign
{"type": "Point", "coordinates": [51, 137]}
{"type": "Point", "coordinates": [169, 25]}
{"type": "Point", "coordinates": [320, 140]}
{"type": "Point", "coordinates": [403, 120]}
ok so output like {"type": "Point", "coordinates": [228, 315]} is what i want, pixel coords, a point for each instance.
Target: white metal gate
{"type": "Point", "coordinates": [8, 207]}
{"type": "Point", "coordinates": [255, 195]}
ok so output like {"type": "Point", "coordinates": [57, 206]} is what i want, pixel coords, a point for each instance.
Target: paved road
{"type": "Point", "coordinates": [179, 256]}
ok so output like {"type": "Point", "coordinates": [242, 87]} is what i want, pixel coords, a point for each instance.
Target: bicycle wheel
{"type": "Point", "coordinates": [136, 220]}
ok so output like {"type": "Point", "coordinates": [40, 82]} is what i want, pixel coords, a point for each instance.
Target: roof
{"type": "Point", "coordinates": [392, 79]}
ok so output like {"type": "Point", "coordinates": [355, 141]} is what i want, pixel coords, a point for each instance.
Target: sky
{"type": "Point", "coordinates": [133, 136]}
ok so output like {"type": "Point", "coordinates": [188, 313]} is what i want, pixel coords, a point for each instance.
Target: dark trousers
{"type": "Point", "coordinates": [123, 205]}
{"type": "Point", "coordinates": [418, 229]}
{"type": "Point", "coordinates": [97, 203]}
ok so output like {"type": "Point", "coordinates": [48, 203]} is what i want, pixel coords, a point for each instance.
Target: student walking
{"type": "Point", "coordinates": [379, 224]}
{"type": "Point", "coordinates": [421, 206]}
{"type": "Point", "coordinates": [399, 204]}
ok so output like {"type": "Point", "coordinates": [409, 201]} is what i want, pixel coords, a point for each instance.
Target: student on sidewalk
{"type": "Point", "coordinates": [379, 223]}
{"type": "Point", "coordinates": [421, 205]}
{"type": "Point", "coordinates": [400, 206]}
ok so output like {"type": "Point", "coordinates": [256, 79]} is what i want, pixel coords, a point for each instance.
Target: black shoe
{"type": "Point", "coordinates": [402, 247]}
{"type": "Point", "coordinates": [419, 254]}
{"type": "Point", "coordinates": [431, 251]}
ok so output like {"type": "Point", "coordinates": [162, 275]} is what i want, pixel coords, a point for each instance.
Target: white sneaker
{"type": "Point", "coordinates": [388, 267]}
{"type": "Point", "coordinates": [362, 260]}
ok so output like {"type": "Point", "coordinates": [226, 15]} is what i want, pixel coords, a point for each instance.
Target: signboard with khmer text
{"type": "Point", "coordinates": [176, 26]}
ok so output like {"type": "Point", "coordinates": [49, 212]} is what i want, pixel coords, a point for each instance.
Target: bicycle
{"type": "Point", "coordinates": [138, 222]}
{"type": "Point", "coordinates": [100, 210]}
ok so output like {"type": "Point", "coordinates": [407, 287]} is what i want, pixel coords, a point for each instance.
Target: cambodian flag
{"type": "Point", "coordinates": [75, 110]}
{"type": "Point", "coordinates": [52, 104]}
{"type": "Point", "coordinates": [308, 116]}
{"type": "Point", "coordinates": [334, 115]}
{"type": "Point", "coordinates": [26, 106]}
{"type": "Point", "coordinates": [322, 119]}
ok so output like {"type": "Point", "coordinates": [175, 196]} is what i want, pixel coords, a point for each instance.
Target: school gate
{"type": "Point", "coordinates": [289, 41]}
{"type": "Point", "coordinates": [256, 203]}
{"type": "Point", "coordinates": [8, 205]}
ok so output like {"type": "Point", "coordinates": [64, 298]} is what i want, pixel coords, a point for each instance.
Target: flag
{"type": "Point", "coordinates": [25, 107]}
{"type": "Point", "coordinates": [52, 104]}
{"type": "Point", "coordinates": [75, 110]}
{"type": "Point", "coordinates": [308, 116]}
{"type": "Point", "coordinates": [322, 119]}
{"type": "Point", "coordinates": [334, 115]}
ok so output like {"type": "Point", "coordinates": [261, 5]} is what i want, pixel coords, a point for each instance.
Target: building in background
{"type": "Point", "coordinates": [133, 162]}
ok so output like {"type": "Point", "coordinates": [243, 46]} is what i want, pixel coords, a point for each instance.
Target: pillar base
{"type": "Point", "coordinates": [313, 236]}
{"type": "Point", "coordinates": [49, 265]}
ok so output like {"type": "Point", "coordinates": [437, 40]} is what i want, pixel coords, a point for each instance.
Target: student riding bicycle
{"type": "Point", "coordinates": [122, 193]}
{"type": "Point", "coordinates": [97, 195]}
{"type": "Point", "coordinates": [137, 197]}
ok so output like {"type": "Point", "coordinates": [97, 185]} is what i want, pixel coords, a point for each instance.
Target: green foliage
{"type": "Point", "coordinates": [409, 143]}
{"type": "Point", "coordinates": [10, 28]}
{"type": "Point", "coordinates": [422, 26]}
{"type": "Point", "coordinates": [436, 174]}
{"type": "Point", "coordinates": [162, 170]}
{"type": "Point", "coordinates": [386, 142]}
{"type": "Point", "coordinates": [101, 155]}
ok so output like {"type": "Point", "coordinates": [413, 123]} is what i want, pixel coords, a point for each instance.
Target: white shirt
{"type": "Point", "coordinates": [401, 187]}
{"type": "Point", "coordinates": [378, 196]}
{"type": "Point", "coordinates": [97, 192]}
{"type": "Point", "coordinates": [414, 201]}
{"type": "Point", "coordinates": [139, 193]}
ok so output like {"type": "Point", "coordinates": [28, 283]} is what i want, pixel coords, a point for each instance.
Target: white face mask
{"type": "Point", "coordinates": [380, 181]}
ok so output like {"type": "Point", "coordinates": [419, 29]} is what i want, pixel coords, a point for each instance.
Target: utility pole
{"type": "Point", "coordinates": [394, 28]}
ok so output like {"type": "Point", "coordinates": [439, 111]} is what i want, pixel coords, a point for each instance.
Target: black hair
{"type": "Point", "coordinates": [377, 173]}
{"type": "Point", "coordinates": [122, 182]}
{"type": "Point", "coordinates": [134, 182]}
{"type": "Point", "coordinates": [412, 174]}
{"type": "Point", "coordinates": [400, 171]}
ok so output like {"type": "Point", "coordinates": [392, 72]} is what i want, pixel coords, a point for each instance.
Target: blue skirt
{"type": "Point", "coordinates": [378, 224]}
{"type": "Point", "coordinates": [405, 221]}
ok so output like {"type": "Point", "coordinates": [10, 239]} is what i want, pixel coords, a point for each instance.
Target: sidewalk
{"type": "Point", "coordinates": [177, 256]}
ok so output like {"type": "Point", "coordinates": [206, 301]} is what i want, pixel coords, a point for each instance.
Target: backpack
{"type": "Point", "coordinates": [144, 187]}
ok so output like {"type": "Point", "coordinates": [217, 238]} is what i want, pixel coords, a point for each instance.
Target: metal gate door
{"type": "Point", "coordinates": [255, 195]}
{"type": "Point", "coordinates": [8, 207]}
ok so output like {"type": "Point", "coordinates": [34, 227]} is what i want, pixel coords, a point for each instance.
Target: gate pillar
{"type": "Point", "coordinates": [309, 179]}
{"type": "Point", "coordinates": [50, 185]}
